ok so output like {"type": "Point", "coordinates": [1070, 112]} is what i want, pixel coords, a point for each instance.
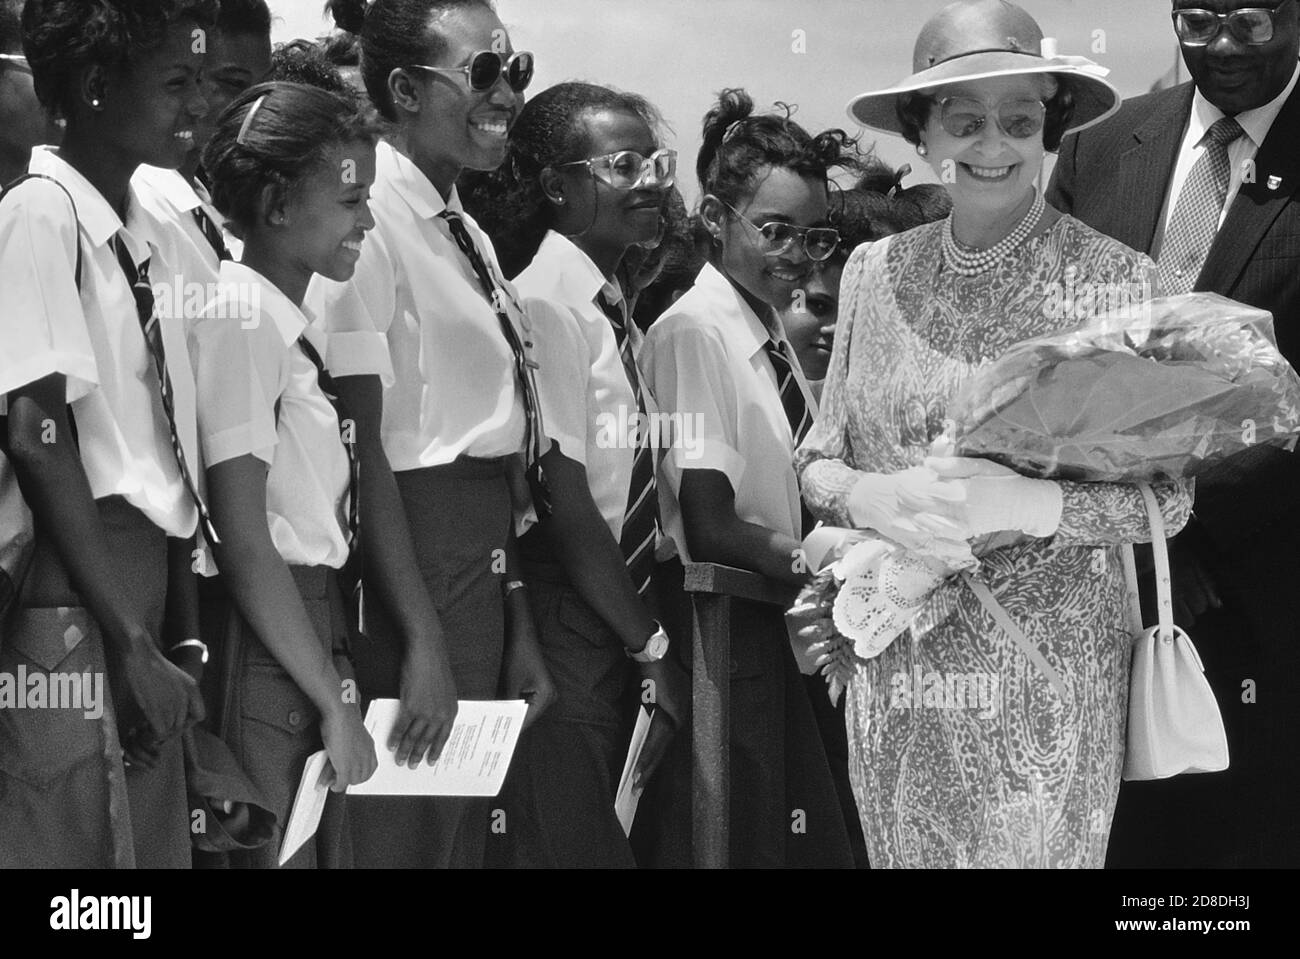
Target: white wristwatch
{"type": "Point", "coordinates": [655, 649]}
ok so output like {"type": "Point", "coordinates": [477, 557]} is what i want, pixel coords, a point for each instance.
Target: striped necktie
{"type": "Point", "coordinates": [523, 366]}
{"type": "Point", "coordinates": [138, 277]}
{"type": "Point", "coordinates": [211, 233]}
{"type": "Point", "coordinates": [1195, 220]}
{"type": "Point", "coordinates": [641, 518]}
{"type": "Point", "coordinates": [327, 387]}
{"type": "Point", "coordinates": [787, 385]}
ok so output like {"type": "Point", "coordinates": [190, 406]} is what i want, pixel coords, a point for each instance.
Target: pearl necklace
{"type": "Point", "coordinates": [964, 261]}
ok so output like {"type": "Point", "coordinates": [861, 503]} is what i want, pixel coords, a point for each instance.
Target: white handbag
{"type": "Point", "coordinates": [1174, 725]}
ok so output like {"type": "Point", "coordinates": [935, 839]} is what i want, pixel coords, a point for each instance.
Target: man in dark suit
{"type": "Point", "coordinates": [1148, 177]}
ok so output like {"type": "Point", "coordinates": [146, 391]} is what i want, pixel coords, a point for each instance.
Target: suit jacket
{"type": "Point", "coordinates": [1114, 177]}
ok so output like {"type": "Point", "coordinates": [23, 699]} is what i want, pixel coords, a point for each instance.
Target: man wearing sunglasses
{"type": "Point", "coordinates": [1203, 177]}
{"type": "Point", "coordinates": [23, 124]}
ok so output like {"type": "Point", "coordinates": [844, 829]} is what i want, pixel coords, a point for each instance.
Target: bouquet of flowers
{"type": "Point", "coordinates": [1189, 381]}
{"type": "Point", "coordinates": [1186, 382]}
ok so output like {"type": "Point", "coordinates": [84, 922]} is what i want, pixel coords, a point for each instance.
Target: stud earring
{"type": "Point", "coordinates": [922, 149]}
{"type": "Point", "coordinates": [95, 103]}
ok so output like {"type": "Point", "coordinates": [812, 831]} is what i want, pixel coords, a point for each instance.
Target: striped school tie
{"type": "Point", "coordinates": [138, 277]}
{"type": "Point", "coordinates": [327, 386]}
{"type": "Point", "coordinates": [641, 518]}
{"type": "Point", "coordinates": [523, 366]}
{"type": "Point", "coordinates": [211, 233]}
{"type": "Point", "coordinates": [1195, 221]}
{"type": "Point", "coordinates": [792, 398]}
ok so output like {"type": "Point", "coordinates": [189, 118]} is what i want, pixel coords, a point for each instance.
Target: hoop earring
{"type": "Point", "coordinates": [922, 149]}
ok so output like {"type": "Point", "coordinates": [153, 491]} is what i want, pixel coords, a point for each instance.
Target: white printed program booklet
{"type": "Point", "coordinates": [473, 763]}
{"type": "Point", "coordinates": [308, 806]}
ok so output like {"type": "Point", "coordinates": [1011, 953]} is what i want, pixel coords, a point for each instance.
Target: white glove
{"type": "Point", "coordinates": [985, 497]}
{"type": "Point", "coordinates": [875, 502]}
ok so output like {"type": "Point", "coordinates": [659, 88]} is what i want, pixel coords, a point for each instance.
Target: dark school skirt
{"type": "Point", "coordinates": [784, 809]}
{"type": "Point", "coordinates": [66, 798]}
{"type": "Point", "coordinates": [558, 799]}
{"type": "Point", "coordinates": [272, 727]}
{"type": "Point", "coordinates": [460, 516]}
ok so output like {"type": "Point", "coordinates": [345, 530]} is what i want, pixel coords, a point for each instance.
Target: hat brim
{"type": "Point", "coordinates": [1094, 98]}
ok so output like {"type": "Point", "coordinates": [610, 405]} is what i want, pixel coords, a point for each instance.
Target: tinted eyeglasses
{"type": "Point", "coordinates": [627, 169]}
{"type": "Point", "coordinates": [965, 116]}
{"type": "Point", "coordinates": [775, 237]}
{"type": "Point", "coordinates": [1251, 25]}
{"type": "Point", "coordinates": [486, 67]}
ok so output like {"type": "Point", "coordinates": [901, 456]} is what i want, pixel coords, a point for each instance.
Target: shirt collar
{"type": "Point", "coordinates": [1256, 122]}
{"type": "Point", "coordinates": [572, 275]}
{"type": "Point", "coordinates": [750, 331]}
{"type": "Point", "coordinates": [409, 182]}
{"type": "Point", "coordinates": [173, 188]}
{"type": "Point", "coordinates": [289, 320]}
{"type": "Point", "coordinates": [98, 219]}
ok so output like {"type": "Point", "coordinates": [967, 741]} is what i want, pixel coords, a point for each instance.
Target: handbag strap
{"type": "Point", "coordinates": [1003, 619]}
{"type": "Point", "coordinates": [1160, 553]}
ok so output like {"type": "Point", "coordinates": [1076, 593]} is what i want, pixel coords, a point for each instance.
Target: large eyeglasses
{"type": "Point", "coordinates": [486, 67]}
{"type": "Point", "coordinates": [627, 169]}
{"type": "Point", "coordinates": [17, 61]}
{"type": "Point", "coordinates": [965, 116]}
{"type": "Point", "coordinates": [775, 237]}
{"type": "Point", "coordinates": [1251, 25]}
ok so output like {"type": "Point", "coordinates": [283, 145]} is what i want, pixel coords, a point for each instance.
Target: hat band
{"type": "Point", "coordinates": [974, 53]}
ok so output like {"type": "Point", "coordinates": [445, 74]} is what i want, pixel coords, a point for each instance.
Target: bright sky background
{"type": "Point", "coordinates": [679, 53]}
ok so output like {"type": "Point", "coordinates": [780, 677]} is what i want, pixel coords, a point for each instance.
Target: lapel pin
{"type": "Point", "coordinates": [1274, 182]}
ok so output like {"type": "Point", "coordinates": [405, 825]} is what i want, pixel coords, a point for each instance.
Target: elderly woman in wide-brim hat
{"type": "Point", "coordinates": [1027, 773]}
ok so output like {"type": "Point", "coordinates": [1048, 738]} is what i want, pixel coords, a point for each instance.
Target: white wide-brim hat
{"type": "Point", "coordinates": [979, 39]}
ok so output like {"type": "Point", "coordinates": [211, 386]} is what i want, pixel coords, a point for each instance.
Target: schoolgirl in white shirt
{"type": "Point", "coordinates": [584, 181]}
{"type": "Point", "coordinates": [290, 167]}
{"type": "Point", "coordinates": [98, 400]}
{"type": "Point", "coordinates": [719, 357]}
{"type": "Point", "coordinates": [429, 316]}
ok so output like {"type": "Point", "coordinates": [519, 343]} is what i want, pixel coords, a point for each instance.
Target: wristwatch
{"type": "Point", "coordinates": [655, 648]}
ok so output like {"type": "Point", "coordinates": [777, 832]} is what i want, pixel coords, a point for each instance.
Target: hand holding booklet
{"type": "Point", "coordinates": [473, 763]}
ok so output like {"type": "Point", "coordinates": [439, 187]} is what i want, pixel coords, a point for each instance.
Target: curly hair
{"type": "Point", "coordinates": [878, 205]}
{"type": "Point", "coordinates": [63, 37]}
{"type": "Point", "coordinates": [394, 33]}
{"type": "Point", "coordinates": [306, 62]}
{"type": "Point", "coordinates": [913, 111]}
{"type": "Point", "coordinates": [508, 202]}
{"type": "Point", "coordinates": [245, 17]}
{"type": "Point", "coordinates": [293, 128]}
{"type": "Point", "coordinates": [739, 144]}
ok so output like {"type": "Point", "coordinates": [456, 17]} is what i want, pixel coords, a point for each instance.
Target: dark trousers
{"type": "Point", "coordinates": [784, 809]}
{"type": "Point", "coordinates": [460, 516]}
{"type": "Point", "coordinates": [558, 798]}
{"type": "Point", "coordinates": [272, 727]}
{"type": "Point", "coordinates": [66, 799]}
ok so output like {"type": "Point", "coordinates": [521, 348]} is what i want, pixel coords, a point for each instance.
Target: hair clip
{"type": "Point", "coordinates": [248, 119]}
{"type": "Point", "coordinates": [731, 129]}
{"type": "Point", "coordinates": [897, 188]}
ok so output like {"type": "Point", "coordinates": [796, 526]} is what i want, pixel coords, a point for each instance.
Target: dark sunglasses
{"type": "Point", "coordinates": [1251, 25]}
{"type": "Point", "coordinates": [486, 67]}
{"type": "Point", "coordinates": [965, 116]}
{"type": "Point", "coordinates": [775, 237]}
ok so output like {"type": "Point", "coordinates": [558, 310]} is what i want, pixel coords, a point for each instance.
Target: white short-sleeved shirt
{"type": "Point", "coordinates": [246, 357]}
{"type": "Point", "coordinates": [704, 359]}
{"type": "Point", "coordinates": [587, 402]}
{"type": "Point", "coordinates": [415, 314]}
{"type": "Point", "coordinates": [94, 339]}
{"type": "Point", "coordinates": [167, 204]}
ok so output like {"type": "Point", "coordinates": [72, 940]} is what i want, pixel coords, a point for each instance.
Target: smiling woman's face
{"type": "Point", "coordinates": [988, 171]}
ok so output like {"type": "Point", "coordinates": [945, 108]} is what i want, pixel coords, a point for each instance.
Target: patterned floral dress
{"type": "Point", "coordinates": [961, 753]}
